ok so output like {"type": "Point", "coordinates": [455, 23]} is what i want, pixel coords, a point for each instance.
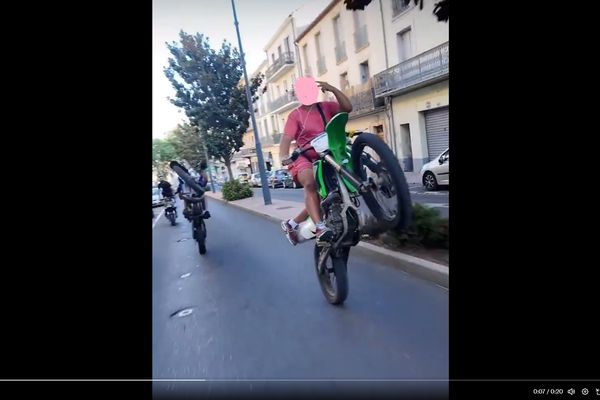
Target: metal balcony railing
{"type": "Point", "coordinates": [285, 59]}
{"type": "Point", "coordinates": [363, 99]}
{"type": "Point", "coordinates": [429, 66]}
{"type": "Point", "coordinates": [282, 101]}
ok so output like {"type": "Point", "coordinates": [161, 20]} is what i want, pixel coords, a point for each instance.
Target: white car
{"type": "Point", "coordinates": [437, 171]}
{"type": "Point", "coordinates": [243, 178]}
{"type": "Point", "coordinates": [255, 180]}
{"type": "Point", "coordinates": [157, 199]}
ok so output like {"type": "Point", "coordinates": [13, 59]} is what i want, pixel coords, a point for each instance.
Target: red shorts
{"type": "Point", "coordinates": [303, 162]}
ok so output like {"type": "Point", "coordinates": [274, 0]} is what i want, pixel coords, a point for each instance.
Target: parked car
{"type": "Point", "coordinates": [281, 178]}
{"type": "Point", "coordinates": [437, 171]}
{"type": "Point", "coordinates": [157, 200]}
{"type": "Point", "coordinates": [255, 180]}
{"type": "Point", "coordinates": [243, 177]}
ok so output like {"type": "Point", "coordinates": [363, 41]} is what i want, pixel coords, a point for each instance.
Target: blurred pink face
{"type": "Point", "coordinates": [306, 90]}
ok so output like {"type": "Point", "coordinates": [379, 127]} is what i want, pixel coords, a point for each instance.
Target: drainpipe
{"type": "Point", "coordinates": [388, 100]}
{"type": "Point", "coordinates": [384, 35]}
{"type": "Point", "coordinates": [296, 50]}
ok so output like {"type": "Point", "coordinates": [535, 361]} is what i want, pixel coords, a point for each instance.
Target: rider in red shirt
{"type": "Point", "coordinates": [303, 125]}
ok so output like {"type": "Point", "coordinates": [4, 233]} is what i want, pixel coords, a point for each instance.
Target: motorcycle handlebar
{"type": "Point", "coordinates": [182, 173]}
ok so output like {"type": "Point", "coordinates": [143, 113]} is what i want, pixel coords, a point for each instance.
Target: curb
{"type": "Point", "coordinates": [422, 268]}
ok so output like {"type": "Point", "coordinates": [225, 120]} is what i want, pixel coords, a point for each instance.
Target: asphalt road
{"type": "Point", "coordinates": [257, 311]}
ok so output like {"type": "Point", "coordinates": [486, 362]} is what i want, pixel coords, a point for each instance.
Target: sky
{"type": "Point", "coordinates": [258, 22]}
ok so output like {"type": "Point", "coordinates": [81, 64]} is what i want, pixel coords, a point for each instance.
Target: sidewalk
{"type": "Point", "coordinates": [282, 209]}
{"type": "Point", "coordinates": [413, 177]}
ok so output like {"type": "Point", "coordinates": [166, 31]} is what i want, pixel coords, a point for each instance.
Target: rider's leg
{"type": "Point", "coordinates": [205, 212]}
{"type": "Point", "coordinates": [291, 226]}
{"type": "Point", "coordinates": [313, 204]}
{"type": "Point", "coordinates": [311, 197]}
{"type": "Point", "coordinates": [301, 217]}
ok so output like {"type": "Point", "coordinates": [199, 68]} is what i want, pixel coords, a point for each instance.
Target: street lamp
{"type": "Point", "coordinates": [261, 162]}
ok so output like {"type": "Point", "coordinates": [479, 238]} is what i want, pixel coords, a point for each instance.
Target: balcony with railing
{"type": "Point", "coordinates": [284, 102]}
{"type": "Point", "coordinates": [321, 67]}
{"type": "Point", "coordinates": [363, 99]}
{"type": "Point", "coordinates": [399, 6]}
{"type": "Point", "coordinates": [361, 38]}
{"type": "Point", "coordinates": [340, 52]}
{"type": "Point", "coordinates": [281, 65]}
{"type": "Point", "coordinates": [247, 152]}
{"type": "Point", "coordinates": [424, 69]}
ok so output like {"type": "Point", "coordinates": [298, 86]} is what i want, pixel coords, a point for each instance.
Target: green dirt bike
{"type": "Point", "coordinates": [347, 172]}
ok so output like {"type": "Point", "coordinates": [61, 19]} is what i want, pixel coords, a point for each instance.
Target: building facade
{"type": "Point", "coordinates": [416, 83]}
{"type": "Point", "coordinates": [390, 59]}
{"type": "Point", "coordinates": [345, 48]}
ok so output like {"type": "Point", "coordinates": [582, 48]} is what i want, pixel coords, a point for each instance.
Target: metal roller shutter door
{"type": "Point", "coordinates": [436, 126]}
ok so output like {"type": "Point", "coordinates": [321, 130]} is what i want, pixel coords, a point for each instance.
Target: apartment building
{"type": "Point", "coordinates": [390, 59]}
{"type": "Point", "coordinates": [345, 48]}
{"type": "Point", "coordinates": [416, 82]}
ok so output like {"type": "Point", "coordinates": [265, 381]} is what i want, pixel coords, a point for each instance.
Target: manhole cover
{"type": "Point", "coordinates": [183, 313]}
{"type": "Point", "coordinates": [185, 275]}
{"type": "Point", "coordinates": [283, 208]}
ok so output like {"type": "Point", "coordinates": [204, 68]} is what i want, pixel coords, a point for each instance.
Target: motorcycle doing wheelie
{"type": "Point", "coordinates": [346, 174]}
{"type": "Point", "coordinates": [194, 210]}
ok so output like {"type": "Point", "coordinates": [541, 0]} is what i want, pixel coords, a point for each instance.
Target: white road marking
{"type": "Point", "coordinates": [157, 218]}
{"type": "Point", "coordinates": [436, 205]}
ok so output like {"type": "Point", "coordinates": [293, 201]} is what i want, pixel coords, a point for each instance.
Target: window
{"type": "Point", "coordinates": [279, 51]}
{"type": "Point", "coordinates": [307, 70]}
{"type": "Point", "coordinates": [399, 6]}
{"type": "Point", "coordinates": [359, 19]}
{"type": "Point", "coordinates": [344, 84]}
{"type": "Point", "coordinates": [286, 42]}
{"type": "Point", "coordinates": [318, 44]}
{"type": "Point", "coordinates": [404, 45]}
{"type": "Point", "coordinates": [337, 30]}
{"type": "Point", "coordinates": [364, 72]}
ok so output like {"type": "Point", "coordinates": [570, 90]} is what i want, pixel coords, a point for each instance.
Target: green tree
{"type": "Point", "coordinates": [188, 144]}
{"type": "Point", "coordinates": [163, 151]}
{"type": "Point", "coordinates": [208, 89]}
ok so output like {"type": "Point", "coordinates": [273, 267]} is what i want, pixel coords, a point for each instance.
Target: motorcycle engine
{"type": "Point", "coordinates": [334, 219]}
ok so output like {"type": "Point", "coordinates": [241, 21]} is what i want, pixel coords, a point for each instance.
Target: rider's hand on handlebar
{"type": "Point", "coordinates": [287, 161]}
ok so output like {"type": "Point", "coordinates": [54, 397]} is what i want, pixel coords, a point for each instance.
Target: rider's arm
{"type": "Point", "coordinates": [289, 133]}
{"type": "Point", "coordinates": [342, 99]}
{"type": "Point", "coordinates": [284, 147]}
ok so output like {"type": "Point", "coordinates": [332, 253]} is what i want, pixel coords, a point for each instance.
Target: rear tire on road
{"type": "Point", "coordinates": [334, 278]}
{"type": "Point", "coordinates": [200, 236]}
{"type": "Point", "coordinates": [171, 217]}
{"type": "Point", "coordinates": [429, 181]}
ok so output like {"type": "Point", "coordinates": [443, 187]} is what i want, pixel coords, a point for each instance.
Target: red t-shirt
{"type": "Point", "coordinates": [305, 125]}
